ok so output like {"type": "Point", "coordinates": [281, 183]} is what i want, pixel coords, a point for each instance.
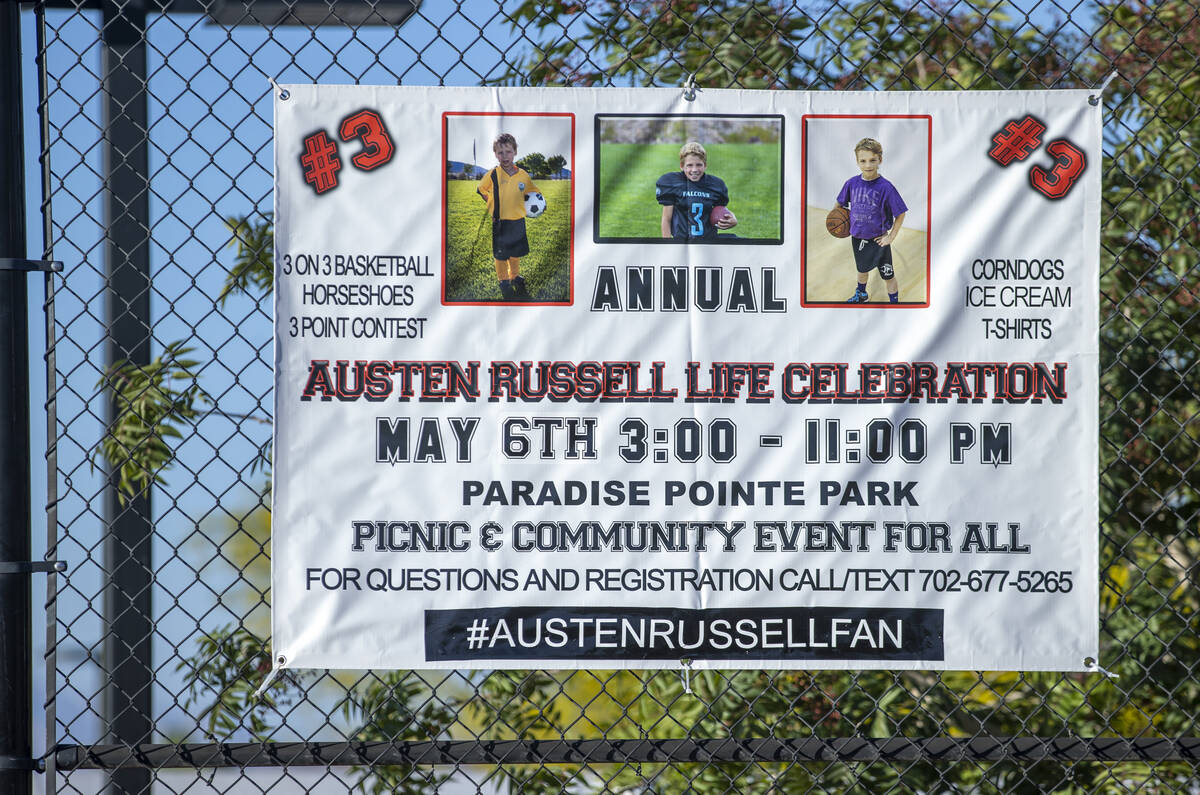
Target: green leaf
{"type": "Point", "coordinates": [253, 269]}
{"type": "Point", "coordinates": [153, 403]}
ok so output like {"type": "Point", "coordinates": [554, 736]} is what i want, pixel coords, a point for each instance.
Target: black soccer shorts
{"type": "Point", "coordinates": [508, 239]}
{"type": "Point", "coordinates": [869, 255]}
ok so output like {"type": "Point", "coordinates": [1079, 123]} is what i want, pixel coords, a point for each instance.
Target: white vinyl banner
{"type": "Point", "coordinates": [603, 378]}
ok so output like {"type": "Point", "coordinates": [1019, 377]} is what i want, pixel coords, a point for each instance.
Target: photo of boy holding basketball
{"type": "Point", "coordinates": [876, 216]}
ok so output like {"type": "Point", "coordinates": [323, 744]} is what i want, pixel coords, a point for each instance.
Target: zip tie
{"type": "Point", "coordinates": [686, 675]}
{"type": "Point", "coordinates": [275, 669]}
{"type": "Point", "coordinates": [689, 88]}
{"type": "Point", "coordinates": [1095, 668]}
{"type": "Point", "coordinates": [283, 92]}
{"type": "Point", "coordinates": [1094, 99]}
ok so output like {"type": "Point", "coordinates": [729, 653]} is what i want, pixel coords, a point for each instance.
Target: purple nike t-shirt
{"type": "Point", "coordinates": [874, 205]}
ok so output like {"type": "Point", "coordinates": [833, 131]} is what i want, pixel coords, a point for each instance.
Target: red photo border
{"type": "Point", "coordinates": [804, 214]}
{"type": "Point", "coordinates": [446, 205]}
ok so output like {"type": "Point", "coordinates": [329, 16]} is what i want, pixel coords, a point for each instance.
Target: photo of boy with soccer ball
{"type": "Point", "coordinates": [504, 189]}
{"type": "Point", "coordinates": [508, 208]}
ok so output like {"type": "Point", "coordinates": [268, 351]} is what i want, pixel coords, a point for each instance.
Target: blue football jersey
{"type": "Point", "coordinates": [693, 203]}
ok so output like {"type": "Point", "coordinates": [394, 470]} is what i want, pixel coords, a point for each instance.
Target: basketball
{"type": "Point", "coordinates": [838, 222]}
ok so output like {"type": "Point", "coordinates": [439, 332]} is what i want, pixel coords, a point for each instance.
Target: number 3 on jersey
{"type": "Point", "coordinates": [697, 229]}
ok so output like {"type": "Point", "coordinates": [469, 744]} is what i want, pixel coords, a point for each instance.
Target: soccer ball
{"type": "Point", "coordinates": [535, 204]}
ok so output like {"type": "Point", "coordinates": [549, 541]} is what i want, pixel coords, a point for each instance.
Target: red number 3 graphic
{"type": "Point", "coordinates": [1057, 182]}
{"type": "Point", "coordinates": [377, 144]}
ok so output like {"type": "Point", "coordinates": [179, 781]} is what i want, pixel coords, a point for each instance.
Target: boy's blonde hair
{"type": "Point", "coordinates": [869, 144]}
{"type": "Point", "coordinates": [504, 138]}
{"type": "Point", "coordinates": [692, 148]}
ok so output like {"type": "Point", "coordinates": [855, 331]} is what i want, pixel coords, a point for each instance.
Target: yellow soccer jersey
{"type": "Point", "coordinates": [511, 191]}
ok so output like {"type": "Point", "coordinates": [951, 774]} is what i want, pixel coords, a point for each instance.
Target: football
{"type": "Point", "coordinates": [535, 204]}
{"type": "Point", "coordinates": [718, 213]}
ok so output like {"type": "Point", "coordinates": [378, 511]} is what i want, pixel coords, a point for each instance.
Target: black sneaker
{"type": "Point", "coordinates": [857, 298]}
{"type": "Point", "coordinates": [506, 290]}
{"type": "Point", "coordinates": [518, 284]}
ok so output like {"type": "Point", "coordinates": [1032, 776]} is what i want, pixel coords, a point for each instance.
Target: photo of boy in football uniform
{"type": "Point", "coordinates": [504, 188]}
{"type": "Point", "coordinates": [693, 201]}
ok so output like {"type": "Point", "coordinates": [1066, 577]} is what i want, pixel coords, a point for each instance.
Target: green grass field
{"type": "Point", "coordinates": [470, 270]}
{"type": "Point", "coordinates": [628, 173]}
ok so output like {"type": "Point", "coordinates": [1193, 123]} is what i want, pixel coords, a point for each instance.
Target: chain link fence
{"type": "Point", "coordinates": [156, 158]}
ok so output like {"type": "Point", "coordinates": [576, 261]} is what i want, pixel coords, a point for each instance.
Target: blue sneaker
{"type": "Point", "coordinates": [859, 297]}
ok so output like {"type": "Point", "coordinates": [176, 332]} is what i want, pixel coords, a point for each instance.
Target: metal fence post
{"type": "Point", "coordinates": [16, 664]}
{"type": "Point", "coordinates": [127, 541]}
